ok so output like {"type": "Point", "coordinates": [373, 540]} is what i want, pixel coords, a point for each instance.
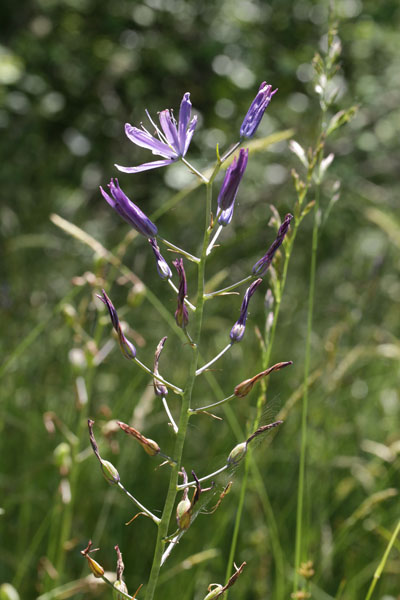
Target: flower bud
{"type": "Point", "coordinates": [237, 454]}
{"type": "Point", "coordinates": [162, 266]}
{"type": "Point", "coordinates": [215, 592]}
{"type": "Point", "coordinates": [119, 585]}
{"type": "Point", "coordinates": [183, 513]}
{"type": "Point", "coordinates": [128, 210]}
{"type": "Point", "coordinates": [256, 110]}
{"type": "Point", "coordinates": [8, 592]}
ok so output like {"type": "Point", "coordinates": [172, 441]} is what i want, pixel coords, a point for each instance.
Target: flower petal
{"type": "Point", "coordinates": [146, 166]}
{"type": "Point", "coordinates": [169, 128]}
{"type": "Point", "coordinates": [184, 117]}
{"type": "Point", "coordinates": [146, 140]}
{"type": "Point", "coordinates": [189, 134]}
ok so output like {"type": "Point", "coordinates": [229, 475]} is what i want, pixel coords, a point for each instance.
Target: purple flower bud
{"type": "Point", "coordinates": [237, 331]}
{"type": "Point", "coordinates": [181, 313]}
{"type": "Point", "coordinates": [128, 210]}
{"type": "Point", "coordinates": [127, 348]}
{"type": "Point", "coordinates": [256, 110]}
{"type": "Point", "coordinates": [230, 186]}
{"type": "Point", "coordinates": [162, 266]}
{"type": "Point", "coordinates": [263, 264]}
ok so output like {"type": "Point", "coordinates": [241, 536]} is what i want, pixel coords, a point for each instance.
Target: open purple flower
{"type": "Point", "coordinates": [128, 210]}
{"type": "Point", "coordinates": [230, 186]}
{"type": "Point", "coordinates": [263, 264]}
{"type": "Point", "coordinates": [237, 331]}
{"type": "Point", "coordinates": [256, 110]}
{"type": "Point", "coordinates": [172, 139]}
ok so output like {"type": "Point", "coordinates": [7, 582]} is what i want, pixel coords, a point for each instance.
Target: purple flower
{"type": "Point", "coordinates": [171, 143]}
{"type": "Point", "coordinates": [181, 313]}
{"type": "Point", "coordinates": [230, 186]}
{"type": "Point", "coordinates": [127, 348]}
{"type": "Point", "coordinates": [263, 264]}
{"type": "Point", "coordinates": [237, 331]}
{"type": "Point", "coordinates": [256, 110]}
{"type": "Point", "coordinates": [162, 266]}
{"type": "Point", "coordinates": [128, 210]}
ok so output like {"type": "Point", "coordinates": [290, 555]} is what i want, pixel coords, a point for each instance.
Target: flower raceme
{"type": "Point", "coordinates": [172, 141]}
{"type": "Point", "coordinates": [256, 110]}
{"type": "Point", "coordinates": [128, 210]}
{"type": "Point", "coordinates": [230, 186]}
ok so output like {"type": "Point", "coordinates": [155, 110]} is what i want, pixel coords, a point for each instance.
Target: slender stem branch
{"type": "Point", "coordinates": [216, 236]}
{"type": "Point", "coordinates": [171, 546]}
{"type": "Point", "coordinates": [139, 504]}
{"type": "Point", "coordinates": [179, 250]}
{"type": "Point", "coordinates": [303, 444]}
{"type": "Point", "coordinates": [182, 486]}
{"type": "Point", "coordinates": [195, 171]}
{"type": "Point", "coordinates": [169, 385]}
{"type": "Point", "coordinates": [381, 566]}
{"type": "Point", "coordinates": [188, 304]}
{"type": "Point", "coordinates": [230, 287]}
{"type": "Point", "coordinates": [184, 415]}
{"type": "Point", "coordinates": [201, 408]}
{"type": "Point", "coordinates": [202, 369]}
{"type": "Point", "coordinates": [170, 417]}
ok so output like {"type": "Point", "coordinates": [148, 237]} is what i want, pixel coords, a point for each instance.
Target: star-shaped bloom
{"type": "Point", "coordinates": [172, 141]}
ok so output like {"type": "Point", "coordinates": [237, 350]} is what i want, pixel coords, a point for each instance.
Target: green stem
{"type": "Point", "coordinates": [260, 404]}
{"type": "Point", "coordinates": [184, 415]}
{"type": "Point", "coordinates": [381, 565]}
{"type": "Point", "coordinates": [303, 444]}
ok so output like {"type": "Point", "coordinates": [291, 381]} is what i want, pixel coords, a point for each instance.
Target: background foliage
{"type": "Point", "coordinates": [71, 73]}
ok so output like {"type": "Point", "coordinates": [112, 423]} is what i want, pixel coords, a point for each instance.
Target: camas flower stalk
{"type": "Point", "coordinates": [172, 141]}
{"type": "Point", "coordinates": [256, 110]}
{"type": "Point", "coordinates": [128, 210]}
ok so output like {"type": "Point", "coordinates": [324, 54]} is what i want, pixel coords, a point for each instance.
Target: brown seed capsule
{"type": "Point", "coordinates": [150, 446]}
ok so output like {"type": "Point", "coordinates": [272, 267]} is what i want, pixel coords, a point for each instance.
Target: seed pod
{"type": "Point", "coordinates": [183, 513]}
{"type": "Point", "coordinates": [110, 472]}
{"type": "Point", "coordinates": [119, 585]}
{"type": "Point", "coordinates": [94, 566]}
{"type": "Point", "coordinates": [215, 592]}
{"type": "Point", "coordinates": [237, 454]}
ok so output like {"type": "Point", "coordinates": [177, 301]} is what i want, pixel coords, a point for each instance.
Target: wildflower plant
{"type": "Point", "coordinates": [186, 495]}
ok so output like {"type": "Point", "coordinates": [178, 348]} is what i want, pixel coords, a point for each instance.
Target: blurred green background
{"type": "Point", "coordinates": [72, 72]}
